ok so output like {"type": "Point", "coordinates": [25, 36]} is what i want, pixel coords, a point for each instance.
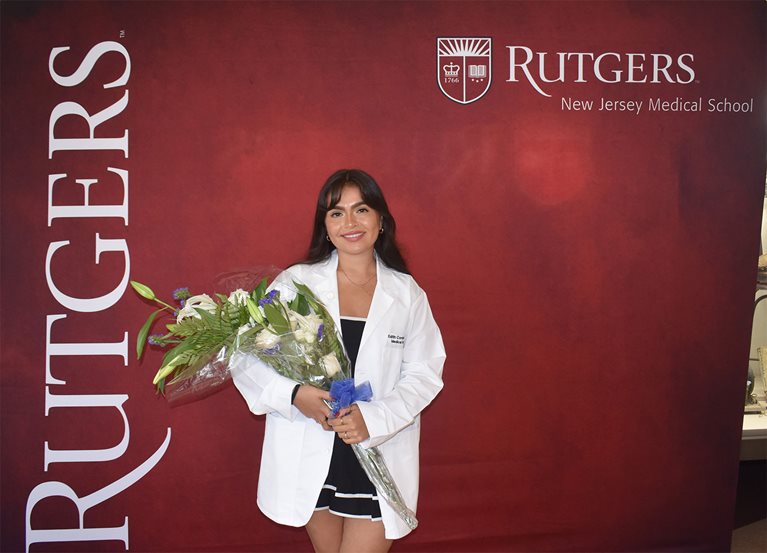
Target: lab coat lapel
{"type": "Point", "coordinates": [382, 302]}
{"type": "Point", "coordinates": [325, 286]}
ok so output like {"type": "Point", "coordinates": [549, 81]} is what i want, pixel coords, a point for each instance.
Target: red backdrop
{"type": "Point", "coordinates": [592, 271]}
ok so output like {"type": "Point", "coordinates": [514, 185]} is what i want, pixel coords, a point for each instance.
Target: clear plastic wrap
{"type": "Point", "coordinates": [374, 465]}
{"type": "Point", "coordinates": [201, 383]}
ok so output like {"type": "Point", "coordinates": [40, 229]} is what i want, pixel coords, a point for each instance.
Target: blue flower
{"type": "Point", "coordinates": [269, 298]}
{"type": "Point", "coordinates": [155, 340]}
{"type": "Point", "coordinates": [320, 331]}
{"type": "Point", "coordinates": [181, 294]}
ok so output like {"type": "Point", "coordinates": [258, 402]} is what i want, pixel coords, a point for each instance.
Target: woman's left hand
{"type": "Point", "coordinates": [350, 425]}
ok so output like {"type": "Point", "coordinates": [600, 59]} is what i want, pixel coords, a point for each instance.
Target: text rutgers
{"type": "Point", "coordinates": [607, 67]}
{"type": "Point", "coordinates": [56, 396]}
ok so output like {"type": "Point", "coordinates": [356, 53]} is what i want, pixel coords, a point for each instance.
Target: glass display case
{"type": "Point", "coordinates": [753, 445]}
{"type": "Point", "coordinates": [756, 384]}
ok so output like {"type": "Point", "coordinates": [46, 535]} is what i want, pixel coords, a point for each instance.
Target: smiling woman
{"type": "Point", "coordinates": [351, 225]}
{"type": "Point", "coordinates": [310, 475]}
{"type": "Point", "coordinates": [370, 193]}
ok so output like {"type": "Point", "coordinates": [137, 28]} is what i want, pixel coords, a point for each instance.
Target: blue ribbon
{"type": "Point", "coordinates": [344, 393]}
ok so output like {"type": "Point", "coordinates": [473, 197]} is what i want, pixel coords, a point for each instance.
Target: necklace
{"type": "Point", "coordinates": [356, 283]}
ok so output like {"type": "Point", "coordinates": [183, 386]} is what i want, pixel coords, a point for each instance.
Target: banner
{"type": "Point", "coordinates": [577, 186]}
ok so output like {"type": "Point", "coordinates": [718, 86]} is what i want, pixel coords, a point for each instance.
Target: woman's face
{"type": "Point", "coordinates": [352, 226]}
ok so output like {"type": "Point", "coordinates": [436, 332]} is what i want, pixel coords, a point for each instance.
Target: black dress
{"type": "Point", "coordinates": [347, 490]}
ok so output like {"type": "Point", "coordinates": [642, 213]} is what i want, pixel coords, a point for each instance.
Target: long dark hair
{"type": "Point", "coordinates": [386, 246]}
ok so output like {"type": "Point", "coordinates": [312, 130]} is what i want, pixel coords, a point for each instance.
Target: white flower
{"type": "Point", "coordinates": [330, 364]}
{"type": "Point", "coordinates": [313, 323]}
{"type": "Point", "coordinates": [267, 340]}
{"type": "Point", "coordinates": [305, 328]}
{"type": "Point", "coordinates": [238, 297]}
{"type": "Point", "coordinates": [203, 301]}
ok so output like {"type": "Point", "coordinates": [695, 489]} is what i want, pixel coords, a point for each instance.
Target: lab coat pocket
{"type": "Point", "coordinates": [280, 463]}
{"type": "Point", "coordinates": [391, 362]}
{"type": "Point", "coordinates": [401, 455]}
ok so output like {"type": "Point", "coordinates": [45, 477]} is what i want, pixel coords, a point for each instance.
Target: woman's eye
{"type": "Point", "coordinates": [335, 214]}
{"type": "Point", "coordinates": [362, 210]}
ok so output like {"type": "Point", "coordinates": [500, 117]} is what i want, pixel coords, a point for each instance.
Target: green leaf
{"type": "Point", "coordinates": [316, 305]}
{"type": "Point", "coordinates": [174, 353]}
{"type": "Point", "coordinates": [222, 297]}
{"type": "Point", "coordinates": [244, 315]}
{"type": "Point", "coordinates": [260, 290]}
{"type": "Point", "coordinates": [142, 334]}
{"type": "Point", "coordinates": [143, 290]}
{"type": "Point", "coordinates": [305, 291]}
{"type": "Point", "coordinates": [254, 311]}
{"type": "Point", "coordinates": [248, 333]}
{"type": "Point", "coordinates": [299, 305]}
{"type": "Point", "coordinates": [302, 288]}
{"type": "Point", "coordinates": [276, 319]}
{"type": "Point", "coordinates": [188, 327]}
{"type": "Point", "coordinates": [163, 373]}
{"type": "Point", "coordinates": [175, 365]}
{"type": "Point", "coordinates": [207, 318]}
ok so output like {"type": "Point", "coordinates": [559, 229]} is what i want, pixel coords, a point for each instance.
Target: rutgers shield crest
{"type": "Point", "coordinates": [464, 68]}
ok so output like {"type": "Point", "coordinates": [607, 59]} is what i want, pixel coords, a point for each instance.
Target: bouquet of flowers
{"type": "Point", "coordinates": [297, 338]}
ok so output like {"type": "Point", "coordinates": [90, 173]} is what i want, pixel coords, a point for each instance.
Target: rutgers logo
{"type": "Point", "coordinates": [464, 68]}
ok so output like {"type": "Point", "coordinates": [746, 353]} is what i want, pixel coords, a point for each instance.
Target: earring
{"type": "Point", "coordinates": [327, 237]}
{"type": "Point", "coordinates": [380, 231]}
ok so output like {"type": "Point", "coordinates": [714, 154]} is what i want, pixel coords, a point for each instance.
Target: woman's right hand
{"type": "Point", "coordinates": [309, 400]}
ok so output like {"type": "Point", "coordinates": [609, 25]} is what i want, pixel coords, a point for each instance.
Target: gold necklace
{"type": "Point", "coordinates": [355, 283]}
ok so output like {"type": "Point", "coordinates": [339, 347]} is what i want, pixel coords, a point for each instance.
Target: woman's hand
{"type": "Point", "coordinates": [350, 425]}
{"type": "Point", "coordinates": [309, 400]}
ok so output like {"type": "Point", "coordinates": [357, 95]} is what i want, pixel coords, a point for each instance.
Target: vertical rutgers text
{"type": "Point", "coordinates": [61, 152]}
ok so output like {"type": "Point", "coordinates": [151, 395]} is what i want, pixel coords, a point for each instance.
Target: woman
{"type": "Point", "coordinates": [309, 474]}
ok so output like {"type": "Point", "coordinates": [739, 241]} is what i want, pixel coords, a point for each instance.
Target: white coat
{"type": "Point", "coordinates": [401, 354]}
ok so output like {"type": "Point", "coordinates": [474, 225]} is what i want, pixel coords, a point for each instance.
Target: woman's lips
{"type": "Point", "coordinates": [353, 236]}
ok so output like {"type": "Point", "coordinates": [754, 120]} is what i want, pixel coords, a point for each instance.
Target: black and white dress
{"type": "Point", "coordinates": [348, 491]}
